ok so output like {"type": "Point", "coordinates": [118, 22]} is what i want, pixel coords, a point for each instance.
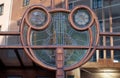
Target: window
{"type": "Point", "coordinates": [1, 9]}
{"type": "Point", "coordinates": [93, 59]}
{"type": "Point", "coordinates": [101, 26]}
{"type": "Point", "coordinates": [116, 56]}
{"type": "Point", "coordinates": [18, 22]}
{"type": "Point", "coordinates": [0, 27]}
{"type": "Point", "coordinates": [26, 2]}
{"type": "Point", "coordinates": [108, 54]}
{"type": "Point", "coordinates": [101, 54]}
{"type": "Point", "coordinates": [97, 4]}
{"type": "Point", "coordinates": [71, 5]}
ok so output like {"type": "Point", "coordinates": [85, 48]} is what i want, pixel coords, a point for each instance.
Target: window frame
{"type": "Point", "coordinates": [1, 9]}
{"type": "Point", "coordinates": [97, 4]}
{"type": "Point", "coordinates": [26, 2]}
{"type": "Point", "coordinates": [0, 27]}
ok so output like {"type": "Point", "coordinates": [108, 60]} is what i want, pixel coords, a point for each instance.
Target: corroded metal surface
{"type": "Point", "coordinates": [60, 68]}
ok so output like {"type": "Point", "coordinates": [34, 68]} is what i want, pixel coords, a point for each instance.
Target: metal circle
{"type": "Point", "coordinates": [30, 52]}
{"type": "Point", "coordinates": [81, 17]}
{"type": "Point", "coordinates": [37, 17]}
{"type": "Point", "coordinates": [30, 27]}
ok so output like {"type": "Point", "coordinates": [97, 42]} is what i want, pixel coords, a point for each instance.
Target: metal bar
{"type": "Point", "coordinates": [52, 4]}
{"type": "Point", "coordinates": [66, 4]}
{"type": "Point", "coordinates": [60, 62]}
{"type": "Point", "coordinates": [101, 33]}
{"type": "Point", "coordinates": [108, 48]}
{"type": "Point", "coordinates": [19, 58]}
{"type": "Point", "coordinates": [109, 34]}
{"type": "Point", "coordinates": [11, 47]}
{"type": "Point", "coordinates": [9, 33]}
{"type": "Point", "coordinates": [43, 47]}
{"type": "Point", "coordinates": [65, 47]}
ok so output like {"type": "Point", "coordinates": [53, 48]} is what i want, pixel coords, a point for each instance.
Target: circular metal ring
{"type": "Point", "coordinates": [71, 20]}
{"type": "Point", "coordinates": [38, 8]}
{"type": "Point", "coordinates": [97, 39]}
{"type": "Point", "coordinates": [29, 50]}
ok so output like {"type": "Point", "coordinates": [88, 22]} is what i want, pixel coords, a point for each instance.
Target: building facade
{"type": "Point", "coordinates": [104, 63]}
{"type": "Point", "coordinates": [5, 13]}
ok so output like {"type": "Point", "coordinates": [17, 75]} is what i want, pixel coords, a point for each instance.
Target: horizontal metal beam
{"type": "Point", "coordinates": [109, 34]}
{"type": "Point", "coordinates": [65, 47]}
{"type": "Point", "coordinates": [9, 33]}
{"type": "Point", "coordinates": [101, 33]}
{"type": "Point", "coordinates": [108, 48]}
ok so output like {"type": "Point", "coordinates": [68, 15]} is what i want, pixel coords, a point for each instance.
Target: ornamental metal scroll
{"type": "Point", "coordinates": [59, 39]}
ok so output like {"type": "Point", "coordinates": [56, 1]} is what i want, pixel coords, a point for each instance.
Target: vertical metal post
{"type": "Point", "coordinates": [60, 62]}
{"type": "Point", "coordinates": [111, 30]}
{"type": "Point", "coordinates": [104, 37]}
{"type": "Point", "coordinates": [66, 4]}
{"type": "Point", "coordinates": [52, 4]}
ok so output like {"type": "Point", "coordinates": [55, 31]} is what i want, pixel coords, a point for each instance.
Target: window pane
{"type": "Point", "coordinates": [26, 2]}
{"type": "Point", "coordinates": [1, 9]}
{"type": "Point", "coordinates": [0, 27]}
{"type": "Point", "coordinates": [70, 5]}
{"type": "Point", "coordinates": [60, 32]}
{"type": "Point", "coordinates": [73, 56]}
{"type": "Point", "coordinates": [101, 54]}
{"type": "Point", "coordinates": [93, 59]}
{"type": "Point", "coordinates": [116, 56]}
{"type": "Point", "coordinates": [97, 4]}
{"type": "Point", "coordinates": [108, 54]}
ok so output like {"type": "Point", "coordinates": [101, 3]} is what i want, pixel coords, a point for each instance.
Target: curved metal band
{"type": "Point", "coordinates": [34, 8]}
{"type": "Point", "coordinates": [91, 51]}
{"type": "Point", "coordinates": [86, 55]}
{"type": "Point", "coordinates": [33, 55]}
{"type": "Point", "coordinates": [97, 39]}
{"type": "Point", "coordinates": [72, 22]}
{"type": "Point", "coordinates": [59, 10]}
{"type": "Point", "coordinates": [29, 50]}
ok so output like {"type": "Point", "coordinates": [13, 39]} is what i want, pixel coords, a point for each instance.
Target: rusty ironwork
{"type": "Point", "coordinates": [9, 33]}
{"type": "Point", "coordinates": [60, 69]}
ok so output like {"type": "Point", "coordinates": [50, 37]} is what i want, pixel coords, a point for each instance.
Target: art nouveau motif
{"type": "Point", "coordinates": [63, 38]}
